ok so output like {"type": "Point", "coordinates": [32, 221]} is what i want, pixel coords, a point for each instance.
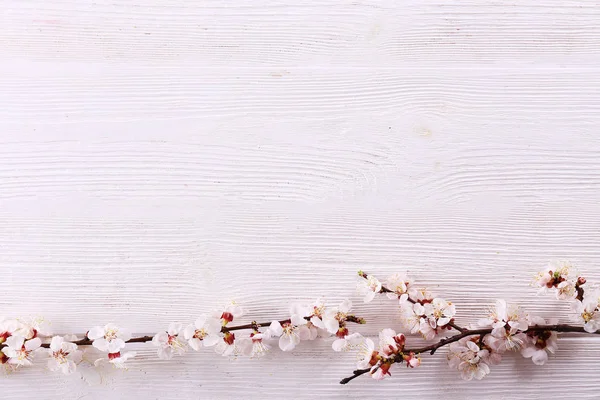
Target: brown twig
{"type": "Point", "coordinates": [355, 374]}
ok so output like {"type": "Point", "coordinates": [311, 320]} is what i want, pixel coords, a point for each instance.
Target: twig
{"type": "Point", "coordinates": [356, 374]}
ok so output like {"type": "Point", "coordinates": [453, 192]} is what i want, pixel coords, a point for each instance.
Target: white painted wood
{"type": "Point", "coordinates": [158, 158]}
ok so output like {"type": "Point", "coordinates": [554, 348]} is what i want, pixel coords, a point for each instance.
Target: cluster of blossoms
{"type": "Point", "coordinates": [20, 341]}
{"type": "Point", "coordinates": [305, 323]}
{"type": "Point", "coordinates": [472, 350]}
{"type": "Point", "coordinates": [475, 348]}
{"type": "Point", "coordinates": [111, 339]}
{"type": "Point", "coordinates": [421, 312]}
{"type": "Point", "coordinates": [560, 277]}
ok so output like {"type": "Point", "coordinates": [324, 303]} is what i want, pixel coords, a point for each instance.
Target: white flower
{"type": "Point", "coordinates": [334, 319]}
{"type": "Point", "coordinates": [368, 357]}
{"type": "Point", "coordinates": [427, 331]}
{"type": "Point", "coordinates": [254, 346]}
{"type": "Point", "coordinates": [368, 287]}
{"type": "Point", "coordinates": [588, 312]}
{"type": "Point", "coordinates": [64, 356]}
{"type": "Point", "coordinates": [365, 356]}
{"type": "Point", "coordinates": [431, 317]}
{"type": "Point", "coordinates": [379, 372]}
{"type": "Point", "coordinates": [109, 338]}
{"type": "Point", "coordinates": [537, 344]}
{"type": "Point", "coordinates": [301, 313]}
{"type": "Point", "coordinates": [290, 332]}
{"type": "Point", "coordinates": [169, 342]}
{"type": "Point", "coordinates": [401, 286]}
{"type": "Point", "coordinates": [19, 351]}
{"type": "Point", "coordinates": [427, 319]}
{"type": "Point", "coordinates": [205, 331]}
{"type": "Point", "coordinates": [349, 342]}
{"type": "Point", "coordinates": [502, 340]}
{"type": "Point", "coordinates": [471, 360]}
{"type": "Point", "coordinates": [566, 290]}
{"type": "Point", "coordinates": [232, 311]}
{"type": "Point", "coordinates": [8, 327]}
{"type": "Point", "coordinates": [506, 320]}
{"type": "Point", "coordinates": [558, 276]}
{"type": "Point", "coordinates": [423, 296]}
{"type": "Point", "coordinates": [538, 356]}
{"type": "Point", "coordinates": [316, 313]}
{"type": "Point", "coordinates": [117, 360]}
{"type": "Point", "coordinates": [30, 328]}
{"type": "Point", "coordinates": [228, 346]}
{"type": "Point", "coordinates": [439, 312]}
{"type": "Point", "coordinates": [412, 315]}
{"type": "Point", "coordinates": [390, 342]}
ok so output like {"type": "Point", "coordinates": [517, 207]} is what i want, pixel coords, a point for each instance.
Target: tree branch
{"type": "Point", "coordinates": [561, 328]}
{"type": "Point", "coordinates": [141, 339]}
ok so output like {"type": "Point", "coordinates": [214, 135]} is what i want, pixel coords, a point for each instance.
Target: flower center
{"type": "Point", "coordinates": [200, 334]}
{"type": "Point", "coordinates": [587, 316]}
{"type": "Point", "coordinates": [318, 311]}
{"type": "Point", "coordinates": [401, 287]}
{"type": "Point", "coordinates": [372, 284]}
{"type": "Point", "coordinates": [288, 329]}
{"type": "Point", "coordinates": [110, 334]}
{"type": "Point", "coordinates": [60, 356]}
{"type": "Point", "coordinates": [23, 354]}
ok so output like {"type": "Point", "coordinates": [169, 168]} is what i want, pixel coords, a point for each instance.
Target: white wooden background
{"type": "Point", "coordinates": [158, 158]}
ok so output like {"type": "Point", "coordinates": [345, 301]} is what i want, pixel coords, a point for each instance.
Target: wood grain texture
{"type": "Point", "coordinates": [159, 158]}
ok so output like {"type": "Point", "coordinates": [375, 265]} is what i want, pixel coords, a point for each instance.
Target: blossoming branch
{"type": "Point", "coordinates": [472, 349]}
{"type": "Point", "coordinates": [21, 340]}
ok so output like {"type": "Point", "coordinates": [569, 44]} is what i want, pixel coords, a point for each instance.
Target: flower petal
{"type": "Point", "coordinates": [101, 344]}
{"type": "Point", "coordinates": [275, 328]}
{"type": "Point", "coordinates": [33, 344]}
{"type": "Point", "coordinates": [95, 333]}
{"type": "Point", "coordinates": [286, 343]}
{"type": "Point", "coordinates": [56, 343]}
{"type": "Point", "coordinates": [210, 340]}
